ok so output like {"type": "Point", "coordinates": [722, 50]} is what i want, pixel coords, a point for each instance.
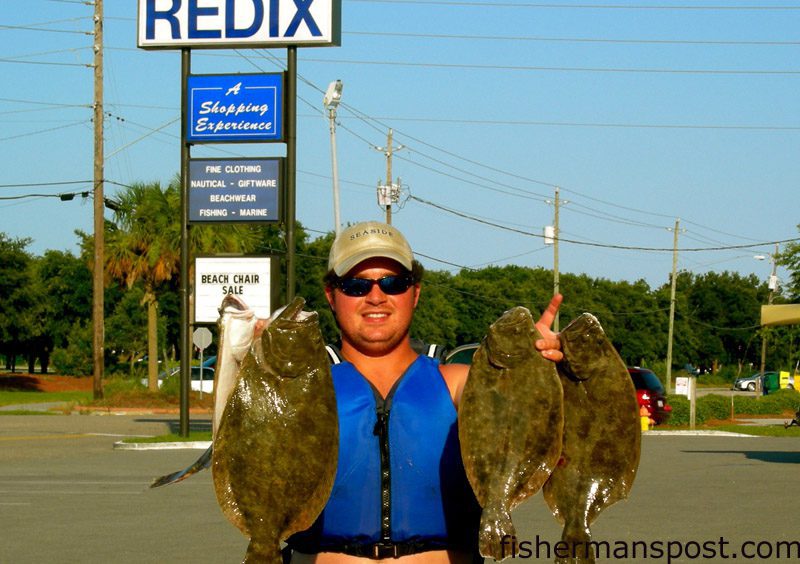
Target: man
{"type": "Point", "coordinates": [400, 491]}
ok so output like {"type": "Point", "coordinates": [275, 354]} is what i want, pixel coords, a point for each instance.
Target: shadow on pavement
{"type": "Point", "coordinates": [787, 457]}
{"type": "Point", "coordinates": [175, 424]}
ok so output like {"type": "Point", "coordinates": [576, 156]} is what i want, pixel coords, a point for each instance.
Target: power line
{"type": "Point", "coordinates": [11, 61]}
{"type": "Point", "coordinates": [528, 68]}
{"type": "Point", "coordinates": [616, 125]}
{"type": "Point", "coordinates": [44, 130]}
{"type": "Point", "coordinates": [30, 184]}
{"type": "Point", "coordinates": [65, 196]}
{"type": "Point", "coordinates": [31, 28]}
{"type": "Point", "coordinates": [582, 6]}
{"type": "Point", "coordinates": [601, 245]}
{"type": "Point", "coordinates": [727, 42]}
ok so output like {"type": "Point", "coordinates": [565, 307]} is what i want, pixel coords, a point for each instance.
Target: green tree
{"type": "Point", "coordinates": [790, 258]}
{"type": "Point", "coordinates": [436, 318]}
{"type": "Point", "coordinates": [63, 285]}
{"type": "Point", "coordinates": [723, 308]}
{"type": "Point", "coordinates": [143, 245]}
{"type": "Point", "coordinates": [15, 297]}
{"type": "Point", "coordinates": [124, 335]}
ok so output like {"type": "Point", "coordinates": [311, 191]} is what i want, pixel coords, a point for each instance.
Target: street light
{"type": "Point", "coordinates": [772, 285]}
{"type": "Point", "coordinates": [331, 100]}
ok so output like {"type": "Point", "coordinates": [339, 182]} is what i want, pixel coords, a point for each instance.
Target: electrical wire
{"type": "Point", "coordinates": [531, 68]}
{"type": "Point", "coordinates": [31, 133]}
{"type": "Point", "coordinates": [581, 6]}
{"type": "Point", "coordinates": [638, 41]}
{"type": "Point", "coordinates": [601, 245]}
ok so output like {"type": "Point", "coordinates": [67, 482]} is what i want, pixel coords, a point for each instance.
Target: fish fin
{"type": "Point", "coordinates": [576, 537]}
{"type": "Point", "coordinates": [200, 464]}
{"type": "Point", "coordinates": [497, 536]}
{"type": "Point", "coordinates": [261, 553]}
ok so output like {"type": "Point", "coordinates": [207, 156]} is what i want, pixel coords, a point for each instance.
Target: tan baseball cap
{"type": "Point", "coordinates": [366, 240]}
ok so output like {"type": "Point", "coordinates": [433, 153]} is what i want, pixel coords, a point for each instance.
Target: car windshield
{"type": "Point", "coordinates": [646, 380]}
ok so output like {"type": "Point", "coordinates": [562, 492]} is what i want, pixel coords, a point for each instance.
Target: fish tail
{"type": "Point", "coordinates": [497, 538]}
{"type": "Point", "coordinates": [262, 553]}
{"type": "Point", "coordinates": [576, 537]}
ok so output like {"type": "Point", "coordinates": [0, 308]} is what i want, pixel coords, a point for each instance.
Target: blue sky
{"type": "Point", "coordinates": [641, 112]}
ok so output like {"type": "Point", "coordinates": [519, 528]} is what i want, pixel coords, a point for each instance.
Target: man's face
{"type": "Point", "coordinates": [374, 323]}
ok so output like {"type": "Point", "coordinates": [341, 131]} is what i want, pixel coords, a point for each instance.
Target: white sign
{"type": "Point", "coordinates": [682, 386]}
{"type": "Point", "coordinates": [176, 24]}
{"type": "Point", "coordinates": [247, 278]}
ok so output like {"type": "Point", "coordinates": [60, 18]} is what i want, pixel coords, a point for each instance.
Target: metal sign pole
{"type": "Point", "coordinates": [185, 344]}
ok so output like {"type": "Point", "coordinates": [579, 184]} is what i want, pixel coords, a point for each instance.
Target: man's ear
{"type": "Point", "coordinates": [417, 290]}
{"type": "Point", "coordinates": [330, 297]}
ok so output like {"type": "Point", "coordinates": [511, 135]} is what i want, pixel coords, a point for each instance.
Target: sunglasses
{"type": "Point", "coordinates": [391, 285]}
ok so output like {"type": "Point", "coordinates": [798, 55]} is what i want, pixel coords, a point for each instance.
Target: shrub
{"type": "Point", "coordinates": [76, 359]}
{"type": "Point", "coordinates": [680, 410]}
{"type": "Point", "coordinates": [778, 402]}
{"type": "Point", "coordinates": [713, 406]}
{"type": "Point", "coordinates": [171, 386]}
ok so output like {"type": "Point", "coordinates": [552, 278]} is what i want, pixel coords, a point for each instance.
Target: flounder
{"type": "Point", "coordinates": [237, 326]}
{"type": "Point", "coordinates": [601, 435]}
{"type": "Point", "coordinates": [510, 419]}
{"type": "Point", "coordinates": [275, 446]}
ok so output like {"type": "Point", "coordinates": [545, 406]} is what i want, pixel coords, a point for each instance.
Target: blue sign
{"type": "Point", "coordinates": [235, 107]}
{"type": "Point", "coordinates": [234, 190]}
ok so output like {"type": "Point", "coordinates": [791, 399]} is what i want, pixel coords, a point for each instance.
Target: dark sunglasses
{"type": "Point", "coordinates": [391, 285]}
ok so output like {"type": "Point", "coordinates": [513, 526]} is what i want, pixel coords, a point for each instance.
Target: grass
{"type": "Point", "coordinates": [17, 398]}
{"type": "Point", "coordinates": [760, 430]}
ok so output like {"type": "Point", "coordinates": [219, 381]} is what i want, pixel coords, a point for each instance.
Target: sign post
{"type": "Point", "coordinates": [201, 339]}
{"type": "Point", "coordinates": [236, 108]}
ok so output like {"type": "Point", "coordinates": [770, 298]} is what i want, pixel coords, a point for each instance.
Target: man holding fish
{"type": "Point", "coordinates": [400, 491]}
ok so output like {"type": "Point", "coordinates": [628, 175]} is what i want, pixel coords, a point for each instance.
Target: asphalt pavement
{"type": "Point", "coordinates": [68, 496]}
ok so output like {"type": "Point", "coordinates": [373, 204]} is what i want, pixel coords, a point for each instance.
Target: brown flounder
{"type": "Point", "coordinates": [601, 435]}
{"type": "Point", "coordinates": [275, 448]}
{"type": "Point", "coordinates": [510, 419]}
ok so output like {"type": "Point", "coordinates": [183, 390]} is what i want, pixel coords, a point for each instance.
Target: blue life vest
{"type": "Point", "coordinates": [400, 479]}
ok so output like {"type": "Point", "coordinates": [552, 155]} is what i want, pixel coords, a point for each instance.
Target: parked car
{"type": "Point", "coordinates": [206, 385]}
{"type": "Point", "coordinates": [750, 383]}
{"type": "Point", "coordinates": [770, 382]}
{"type": "Point", "coordinates": [461, 355]}
{"type": "Point", "coordinates": [650, 393]}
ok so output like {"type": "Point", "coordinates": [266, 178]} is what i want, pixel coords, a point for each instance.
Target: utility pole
{"type": "Point", "coordinates": [773, 285]}
{"type": "Point", "coordinates": [388, 193]}
{"type": "Point", "coordinates": [98, 286]}
{"type": "Point", "coordinates": [331, 100]}
{"type": "Point", "coordinates": [672, 304]}
{"type": "Point", "coordinates": [557, 203]}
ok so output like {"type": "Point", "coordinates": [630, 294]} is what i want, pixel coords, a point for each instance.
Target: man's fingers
{"type": "Point", "coordinates": [554, 355]}
{"type": "Point", "coordinates": [546, 321]}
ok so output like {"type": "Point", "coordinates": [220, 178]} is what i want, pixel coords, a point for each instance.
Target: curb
{"type": "Point", "coordinates": [183, 445]}
{"type": "Point", "coordinates": [698, 434]}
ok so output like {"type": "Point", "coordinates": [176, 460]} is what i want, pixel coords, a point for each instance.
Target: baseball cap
{"type": "Point", "coordinates": [365, 240]}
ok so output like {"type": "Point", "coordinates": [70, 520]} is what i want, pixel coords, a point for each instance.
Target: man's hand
{"type": "Point", "coordinates": [550, 343]}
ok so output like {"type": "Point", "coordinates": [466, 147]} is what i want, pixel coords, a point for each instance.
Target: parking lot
{"type": "Point", "coordinates": [66, 495]}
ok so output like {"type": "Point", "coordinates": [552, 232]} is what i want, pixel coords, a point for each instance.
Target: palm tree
{"type": "Point", "coordinates": [143, 245]}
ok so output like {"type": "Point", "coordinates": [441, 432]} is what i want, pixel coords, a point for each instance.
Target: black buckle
{"type": "Point", "coordinates": [385, 550]}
